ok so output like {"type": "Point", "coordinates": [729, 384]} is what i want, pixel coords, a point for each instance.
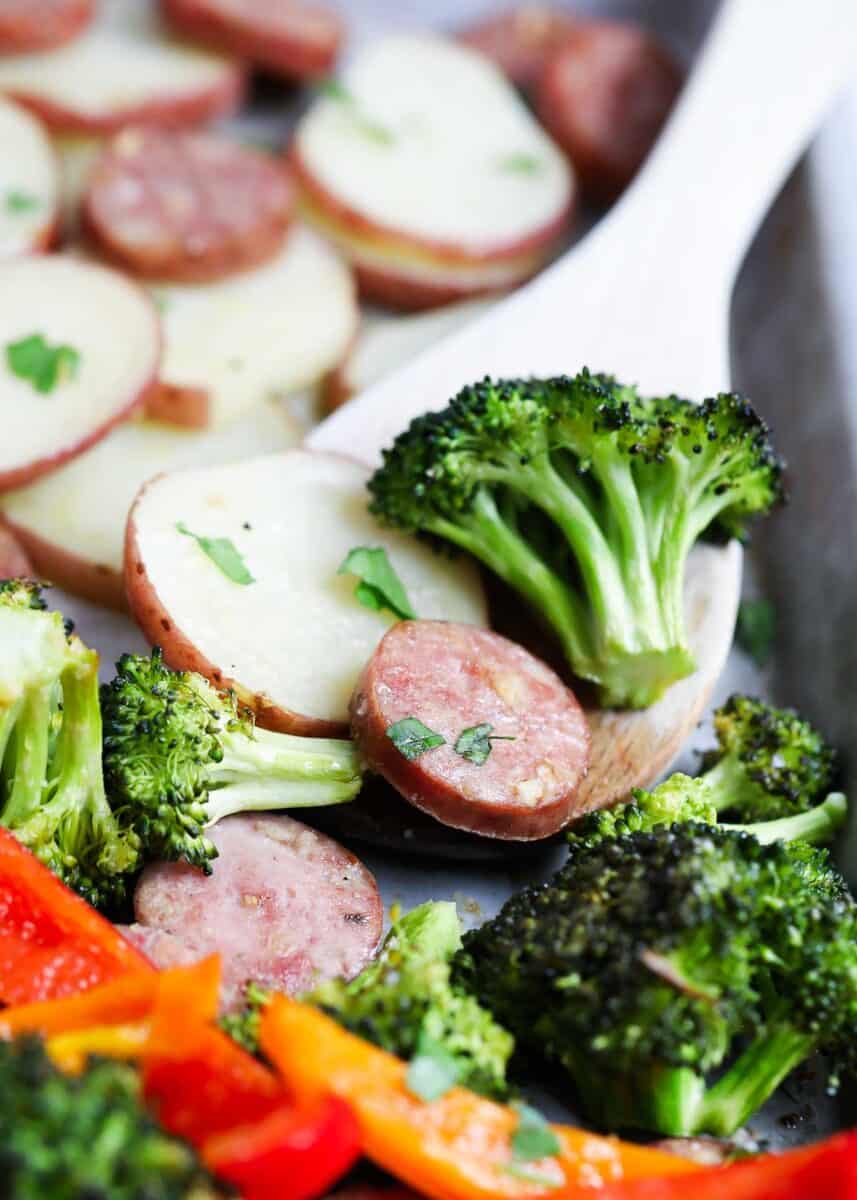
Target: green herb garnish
{"type": "Point", "coordinates": [474, 743]}
{"type": "Point", "coordinates": [379, 586]}
{"type": "Point", "coordinates": [43, 365]}
{"type": "Point", "coordinates": [521, 164]}
{"type": "Point", "coordinates": [433, 1071]}
{"type": "Point", "coordinates": [413, 739]}
{"type": "Point", "coordinates": [756, 630]}
{"type": "Point", "coordinates": [222, 553]}
{"type": "Point", "coordinates": [534, 1138]}
{"type": "Point", "coordinates": [530, 1176]}
{"type": "Point", "coordinates": [334, 89]}
{"type": "Point", "coordinates": [16, 201]}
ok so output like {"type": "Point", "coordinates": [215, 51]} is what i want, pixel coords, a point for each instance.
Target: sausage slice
{"type": "Point", "coordinates": [288, 37]}
{"type": "Point", "coordinates": [29, 25]}
{"type": "Point", "coordinates": [186, 207]}
{"type": "Point", "coordinates": [454, 679]}
{"type": "Point", "coordinates": [284, 906]}
{"type": "Point", "coordinates": [520, 40]}
{"type": "Point", "coordinates": [604, 95]}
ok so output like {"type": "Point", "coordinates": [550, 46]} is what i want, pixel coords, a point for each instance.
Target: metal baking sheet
{"type": "Point", "coordinates": [795, 354]}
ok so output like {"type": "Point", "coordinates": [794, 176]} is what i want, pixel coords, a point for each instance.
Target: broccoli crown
{"type": "Point", "coordinates": [51, 786]}
{"type": "Point", "coordinates": [586, 498]}
{"type": "Point", "coordinates": [649, 956]}
{"type": "Point", "coordinates": [244, 1025]}
{"type": "Point", "coordinates": [68, 1137]}
{"type": "Point", "coordinates": [179, 756]}
{"type": "Point", "coordinates": [405, 997]}
{"type": "Point", "coordinates": [22, 593]}
{"type": "Point", "coordinates": [769, 762]}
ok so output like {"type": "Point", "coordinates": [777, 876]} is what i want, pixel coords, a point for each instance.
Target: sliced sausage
{"type": "Point", "coordinates": [604, 95]}
{"type": "Point", "coordinates": [14, 563]}
{"type": "Point", "coordinates": [186, 207]}
{"type": "Point", "coordinates": [287, 37]}
{"type": "Point", "coordinates": [28, 25]}
{"type": "Point", "coordinates": [520, 41]}
{"type": "Point", "coordinates": [454, 678]}
{"type": "Point", "coordinates": [284, 905]}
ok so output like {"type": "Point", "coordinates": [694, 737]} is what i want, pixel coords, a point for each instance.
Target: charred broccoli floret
{"type": "Point", "coordinates": [652, 960]}
{"type": "Point", "coordinates": [769, 762]}
{"type": "Point", "coordinates": [587, 499]}
{"type": "Point", "coordinates": [51, 787]}
{"type": "Point", "coordinates": [179, 756]}
{"type": "Point", "coordinates": [404, 1000]}
{"type": "Point", "coordinates": [89, 1136]}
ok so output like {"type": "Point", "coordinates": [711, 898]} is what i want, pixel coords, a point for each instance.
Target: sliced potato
{"type": "Point", "coordinates": [80, 347]}
{"type": "Point", "coordinates": [29, 183]}
{"type": "Point", "coordinates": [273, 330]}
{"type": "Point", "coordinates": [429, 171]}
{"type": "Point", "coordinates": [384, 343]}
{"type": "Point", "coordinates": [123, 68]}
{"type": "Point", "coordinates": [72, 522]}
{"type": "Point", "coordinates": [292, 642]}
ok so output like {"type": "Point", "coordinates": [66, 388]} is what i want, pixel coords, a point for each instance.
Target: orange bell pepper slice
{"type": "Point", "coordinates": [52, 943]}
{"type": "Point", "coordinates": [126, 999]}
{"type": "Point", "coordinates": [457, 1147]}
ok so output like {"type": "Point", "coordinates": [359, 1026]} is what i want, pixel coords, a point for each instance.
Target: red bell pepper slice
{"type": "Point", "coordinates": [826, 1171]}
{"type": "Point", "coordinates": [297, 1152]}
{"type": "Point", "coordinates": [52, 943]}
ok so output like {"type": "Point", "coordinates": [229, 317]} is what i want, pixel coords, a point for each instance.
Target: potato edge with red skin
{"type": "Point", "coordinates": [439, 798]}
{"type": "Point", "coordinates": [519, 40]}
{"type": "Point", "coordinates": [180, 405]}
{"type": "Point", "coordinates": [601, 174]}
{"type": "Point", "coordinates": [180, 653]}
{"type": "Point", "coordinates": [32, 35]}
{"type": "Point", "coordinates": [292, 57]}
{"type": "Point", "coordinates": [219, 100]}
{"type": "Point", "coordinates": [14, 562]}
{"type": "Point", "coordinates": [92, 581]}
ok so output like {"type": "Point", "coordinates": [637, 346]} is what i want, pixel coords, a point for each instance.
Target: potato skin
{"type": "Point", "coordinates": [175, 404]}
{"type": "Point", "coordinates": [180, 653]}
{"type": "Point", "coordinates": [14, 563]}
{"type": "Point", "coordinates": [93, 581]}
{"type": "Point", "coordinates": [30, 25]}
{"type": "Point", "coordinates": [520, 40]}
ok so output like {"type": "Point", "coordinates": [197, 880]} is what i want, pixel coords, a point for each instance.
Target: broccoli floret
{"type": "Point", "coordinates": [179, 756]}
{"type": "Point", "coordinates": [243, 1025]}
{"type": "Point", "coordinates": [51, 787]}
{"type": "Point", "coordinates": [652, 960]}
{"type": "Point", "coordinates": [86, 1136]}
{"type": "Point", "coordinates": [769, 762]}
{"type": "Point", "coordinates": [680, 799]}
{"type": "Point", "coordinates": [587, 499]}
{"type": "Point", "coordinates": [405, 997]}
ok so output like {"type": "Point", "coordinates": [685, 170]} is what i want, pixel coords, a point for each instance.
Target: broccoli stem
{"type": "Point", "coordinates": [31, 753]}
{"type": "Point", "coordinates": [817, 826]}
{"type": "Point", "coordinates": [752, 1078]}
{"type": "Point", "coordinates": [667, 1099]}
{"type": "Point", "coordinates": [731, 786]}
{"type": "Point", "coordinates": [277, 770]}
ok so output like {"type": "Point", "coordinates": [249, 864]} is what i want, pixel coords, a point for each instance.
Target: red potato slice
{"type": "Point", "coordinates": [455, 678]}
{"type": "Point", "coordinates": [604, 95]}
{"type": "Point", "coordinates": [29, 183]}
{"type": "Point", "coordinates": [108, 330]}
{"type": "Point", "coordinates": [284, 906]}
{"type": "Point", "coordinates": [27, 25]}
{"type": "Point", "coordinates": [72, 522]}
{"type": "Point", "coordinates": [293, 642]}
{"type": "Point", "coordinates": [520, 40]}
{"type": "Point", "coordinates": [384, 343]}
{"type": "Point", "coordinates": [430, 173]}
{"type": "Point", "coordinates": [120, 71]}
{"type": "Point", "coordinates": [286, 37]}
{"type": "Point", "coordinates": [14, 563]}
{"type": "Point", "coordinates": [186, 207]}
{"type": "Point", "coordinates": [274, 330]}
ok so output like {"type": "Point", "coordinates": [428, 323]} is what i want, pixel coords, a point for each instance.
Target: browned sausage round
{"type": "Point", "coordinates": [604, 95]}
{"type": "Point", "coordinates": [294, 38]}
{"type": "Point", "coordinates": [185, 207]}
{"type": "Point", "coordinates": [454, 680]}
{"type": "Point", "coordinates": [28, 25]}
{"type": "Point", "coordinates": [520, 40]}
{"type": "Point", "coordinates": [284, 905]}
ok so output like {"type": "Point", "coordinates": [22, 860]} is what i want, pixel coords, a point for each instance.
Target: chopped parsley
{"type": "Point", "coordinates": [433, 1071]}
{"type": "Point", "coordinates": [474, 743]}
{"type": "Point", "coordinates": [379, 587]}
{"type": "Point", "coordinates": [44, 366]}
{"type": "Point", "coordinates": [335, 89]}
{"type": "Point", "coordinates": [16, 201]}
{"type": "Point", "coordinates": [533, 1139]}
{"type": "Point", "coordinates": [222, 553]}
{"type": "Point", "coordinates": [413, 739]}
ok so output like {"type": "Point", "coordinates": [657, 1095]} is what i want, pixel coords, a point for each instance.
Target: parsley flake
{"type": "Point", "coordinates": [474, 743]}
{"type": "Point", "coordinates": [533, 1139]}
{"type": "Point", "coordinates": [379, 587]}
{"type": "Point", "coordinates": [335, 89]}
{"type": "Point", "coordinates": [520, 164]}
{"type": "Point", "coordinates": [44, 366]}
{"type": "Point", "coordinates": [413, 739]}
{"type": "Point", "coordinates": [17, 201]}
{"type": "Point", "coordinates": [222, 553]}
{"type": "Point", "coordinates": [528, 1175]}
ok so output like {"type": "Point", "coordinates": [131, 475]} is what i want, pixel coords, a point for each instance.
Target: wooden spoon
{"type": "Point", "coordinates": [646, 297]}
